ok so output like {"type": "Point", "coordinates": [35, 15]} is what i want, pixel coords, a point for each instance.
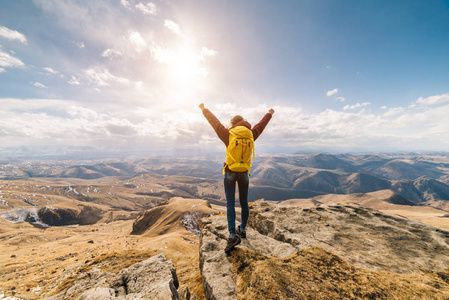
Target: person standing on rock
{"type": "Point", "coordinates": [238, 134]}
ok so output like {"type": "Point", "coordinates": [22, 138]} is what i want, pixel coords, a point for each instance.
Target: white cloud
{"type": "Point", "coordinates": [394, 111]}
{"type": "Point", "coordinates": [137, 41]}
{"type": "Point", "coordinates": [291, 129]}
{"type": "Point", "coordinates": [125, 3]}
{"type": "Point", "coordinates": [138, 85]}
{"type": "Point", "coordinates": [161, 55]}
{"type": "Point", "coordinates": [2, 70]}
{"type": "Point", "coordinates": [330, 130]}
{"type": "Point", "coordinates": [332, 92]}
{"type": "Point", "coordinates": [83, 112]}
{"type": "Point", "coordinates": [74, 81]}
{"type": "Point", "coordinates": [432, 100]}
{"type": "Point", "coordinates": [104, 77]}
{"type": "Point", "coordinates": [40, 85]}
{"type": "Point", "coordinates": [50, 70]}
{"type": "Point", "coordinates": [357, 105]}
{"type": "Point", "coordinates": [20, 105]}
{"type": "Point", "coordinates": [8, 61]}
{"type": "Point", "coordinates": [341, 99]}
{"type": "Point", "coordinates": [110, 53]}
{"type": "Point", "coordinates": [384, 107]}
{"type": "Point", "coordinates": [40, 121]}
{"type": "Point", "coordinates": [12, 34]}
{"type": "Point", "coordinates": [205, 52]}
{"type": "Point", "coordinates": [172, 26]}
{"type": "Point", "coordinates": [80, 45]}
{"type": "Point", "coordinates": [181, 56]}
{"type": "Point", "coordinates": [148, 9]}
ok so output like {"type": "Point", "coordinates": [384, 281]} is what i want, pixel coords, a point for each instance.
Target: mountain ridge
{"type": "Point", "coordinates": [274, 177]}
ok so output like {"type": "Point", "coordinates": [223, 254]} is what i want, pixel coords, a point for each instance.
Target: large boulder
{"type": "Point", "coordinates": [153, 278]}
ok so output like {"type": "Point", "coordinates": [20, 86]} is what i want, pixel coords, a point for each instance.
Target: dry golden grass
{"type": "Point", "coordinates": [315, 273]}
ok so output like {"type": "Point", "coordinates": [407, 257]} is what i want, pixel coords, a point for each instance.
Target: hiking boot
{"type": "Point", "coordinates": [232, 242]}
{"type": "Point", "coordinates": [241, 233]}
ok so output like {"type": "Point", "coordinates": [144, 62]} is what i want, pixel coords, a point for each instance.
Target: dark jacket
{"type": "Point", "coordinates": [223, 132]}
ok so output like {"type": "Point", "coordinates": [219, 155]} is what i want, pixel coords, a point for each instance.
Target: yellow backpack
{"type": "Point", "coordinates": [239, 150]}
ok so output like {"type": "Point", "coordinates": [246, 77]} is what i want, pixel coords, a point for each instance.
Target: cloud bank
{"type": "Point", "coordinates": [43, 122]}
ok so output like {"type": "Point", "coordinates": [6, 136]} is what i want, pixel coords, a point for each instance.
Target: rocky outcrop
{"type": "Point", "coordinates": [364, 237]}
{"type": "Point", "coordinates": [154, 278]}
{"type": "Point", "coordinates": [82, 215]}
{"type": "Point", "coordinates": [349, 251]}
{"type": "Point", "coordinates": [215, 267]}
{"type": "Point", "coordinates": [50, 216]}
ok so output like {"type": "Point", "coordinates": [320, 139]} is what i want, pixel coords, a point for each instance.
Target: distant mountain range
{"type": "Point", "coordinates": [420, 178]}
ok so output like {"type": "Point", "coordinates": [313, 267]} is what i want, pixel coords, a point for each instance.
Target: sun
{"type": "Point", "coordinates": [185, 68]}
{"type": "Point", "coordinates": [184, 72]}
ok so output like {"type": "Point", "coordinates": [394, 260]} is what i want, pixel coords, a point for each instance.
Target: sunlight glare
{"type": "Point", "coordinates": [183, 65]}
{"type": "Point", "coordinates": [185, 73]}
{"type": "Point", "coordinates": [185, 70]}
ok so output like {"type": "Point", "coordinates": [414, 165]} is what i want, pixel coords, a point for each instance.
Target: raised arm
{"type": "Point", "coordinates": [259, 127]}
{"type": "Point", "coordinates": [220, 130]}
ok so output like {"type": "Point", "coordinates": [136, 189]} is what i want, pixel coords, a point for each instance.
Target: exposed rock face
{"type": "Point", "coordinates": [214, 263]}
{"type": "Point", "coordinates": [50, 216]}
{"type": "Point", "coordinates": [154, 278]}
{"type": "Point", "coordinates": [364, 237]}
{"type": "Point", "coordinates": [84, 215]}
{"type": "Point", "coordinates": [339, 240]}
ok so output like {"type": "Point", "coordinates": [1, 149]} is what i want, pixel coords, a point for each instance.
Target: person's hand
{"type": "Point", "coordinates": [201, 106]}
{"type": "Point", "coordinates": [271, 111]}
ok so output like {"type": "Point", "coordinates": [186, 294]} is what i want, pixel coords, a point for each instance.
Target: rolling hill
{"type": "Point", "coordinates": [423, 179]}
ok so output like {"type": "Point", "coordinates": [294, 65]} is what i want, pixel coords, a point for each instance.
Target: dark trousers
{"type": "Point", "coordinates": [230, 180]}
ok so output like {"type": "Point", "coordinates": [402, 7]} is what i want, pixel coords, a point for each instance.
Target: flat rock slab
{"type": "Point", "coordinates": [362, 236]}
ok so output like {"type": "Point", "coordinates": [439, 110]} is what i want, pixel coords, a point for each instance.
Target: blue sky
{"type": "Point", "coordinates": [342, 76]}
